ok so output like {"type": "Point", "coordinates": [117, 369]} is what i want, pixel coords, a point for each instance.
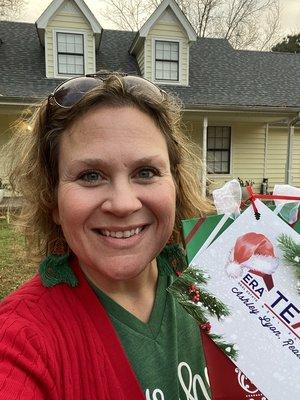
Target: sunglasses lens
{"type": "Point", "coordinates": [142, 85]}
{"type": "Point", "coordinates": [72, 91]}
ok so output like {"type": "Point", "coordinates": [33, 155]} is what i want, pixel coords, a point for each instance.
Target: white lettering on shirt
{"type": "Point", "coordinates": [190, 388]}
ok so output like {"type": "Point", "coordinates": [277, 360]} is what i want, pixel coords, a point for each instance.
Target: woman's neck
{"type": "Point", "coordinates": [136, 295]}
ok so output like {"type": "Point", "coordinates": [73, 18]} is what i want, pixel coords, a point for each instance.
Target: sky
{"type": "Point", "coordinates": [290, 13]}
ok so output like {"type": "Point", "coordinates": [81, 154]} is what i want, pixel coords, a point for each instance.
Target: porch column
{"type": "Point", "coordinates": [266, 150]}
{"type": "Point", "coordinates": [204, 152]}
{"type": "Point", "coordinates": [289, 161]}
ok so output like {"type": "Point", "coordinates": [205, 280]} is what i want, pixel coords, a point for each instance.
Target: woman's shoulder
{"type": "Point", "coordinates": [39, 299]}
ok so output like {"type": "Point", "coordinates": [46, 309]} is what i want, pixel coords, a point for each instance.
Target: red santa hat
{"type": "Point", "coordinates": [253, 251]}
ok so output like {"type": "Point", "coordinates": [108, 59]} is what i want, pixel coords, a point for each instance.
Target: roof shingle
{"type": "Point", "coordinates": [219, 75]}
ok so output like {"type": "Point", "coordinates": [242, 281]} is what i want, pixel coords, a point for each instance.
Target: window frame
{"type": "Point", "coordinates": [179, 74]}
{"type": "Point", "coordinates": [55, 52]}
{"type": "Point", "coordinates": [216, 149]}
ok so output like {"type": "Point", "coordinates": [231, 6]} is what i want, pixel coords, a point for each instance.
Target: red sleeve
{"type": "Point", "coordinates": [24, 373]}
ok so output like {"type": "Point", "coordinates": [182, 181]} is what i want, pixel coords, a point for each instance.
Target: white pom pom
{"type": "Point", "coordinates": [234, 270]}
{"type": "Point", "coordinates": [265, 264]}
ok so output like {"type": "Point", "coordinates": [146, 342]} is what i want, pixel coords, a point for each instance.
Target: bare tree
{"type": "Point", "coordinates": [10, 8]}
{"type": "Point", "coordinates": [245, 23]}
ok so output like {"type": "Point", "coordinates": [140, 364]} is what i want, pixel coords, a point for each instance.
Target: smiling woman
{"type": "Point", "coordinates": [107, 175]}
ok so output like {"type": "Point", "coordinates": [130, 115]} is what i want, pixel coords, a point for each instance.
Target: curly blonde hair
{"type": "Point", "coordinates": [33, 152]}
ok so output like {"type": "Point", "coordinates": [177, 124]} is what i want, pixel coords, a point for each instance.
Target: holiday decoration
{"type": "Point", "coordinates": [190, 292]}
{"type": "Point", "coordinates": [241, 287]}
{"type": "Point", "coordinates": [291, 254]}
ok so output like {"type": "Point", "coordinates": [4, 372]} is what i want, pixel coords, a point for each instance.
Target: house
{"type": "Point", "coordinates": [241, 108]}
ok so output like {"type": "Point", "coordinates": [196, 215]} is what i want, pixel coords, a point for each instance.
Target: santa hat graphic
{"type": "Point", "coordinates": [255, 252]}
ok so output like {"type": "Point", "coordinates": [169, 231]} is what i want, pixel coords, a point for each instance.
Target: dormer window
{"type": "Point", "coordinates": [70, 53]}
{"type": "Point", "coordinates": [166, 60]}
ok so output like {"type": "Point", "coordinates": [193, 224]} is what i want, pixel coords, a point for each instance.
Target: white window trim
{"type": "Point", "coordinates": [164, 82]}
{"type": "Point", "coordinates": [72, 31]}
{"type": "Point", "coordinates": [230, 173]}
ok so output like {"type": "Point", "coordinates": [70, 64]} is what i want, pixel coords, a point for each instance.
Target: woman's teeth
{"type": "Point", "coordinates": [121, 234]}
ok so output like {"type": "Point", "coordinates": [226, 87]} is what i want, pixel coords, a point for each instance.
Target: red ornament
{"type": "Point", "coordinates": [194, 293]}
{"type": "Point", "coordinates": [206, 327]}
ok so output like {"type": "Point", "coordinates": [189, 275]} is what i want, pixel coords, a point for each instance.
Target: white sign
{"type": "Point", "coordinates": [248, 274]}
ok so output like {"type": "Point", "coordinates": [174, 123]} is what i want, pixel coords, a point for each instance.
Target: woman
{"type": "Point", "coordinates": [106, 175]}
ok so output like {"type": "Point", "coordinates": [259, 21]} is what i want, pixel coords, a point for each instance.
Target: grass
{"type": "Point", "coordinates": [14, 266]}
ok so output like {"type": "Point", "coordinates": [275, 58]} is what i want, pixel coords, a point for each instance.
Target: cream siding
{"type": "Point", "coordinates": [248, 150]}
{"type": "Point", "coordinates": [74, 21]}
{"type": "Point", "coordinates": [277, 153]}
{"type": "Point", "coordinates": [248, 159]}
{"type": "Point", "coordinates": [167, 28]}
{"type": "Point", "coordinates": [141, 60]}
{"type": "Point", "coordinates": [6, 122]}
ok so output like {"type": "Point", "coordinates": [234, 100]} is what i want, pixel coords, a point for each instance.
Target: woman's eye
{"type": "Point", "coordinates": [147, 173]}
{"type": "Point", "coordinates": [91, 177]}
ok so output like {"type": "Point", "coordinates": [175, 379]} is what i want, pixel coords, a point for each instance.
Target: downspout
{"type": "Point", "coordinates": [204, 152]}
{"type": "Point", "coordinates": [289, 161]}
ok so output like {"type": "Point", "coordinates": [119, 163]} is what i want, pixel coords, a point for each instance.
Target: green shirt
{"type": "Point", "coordinates": [165, 353]}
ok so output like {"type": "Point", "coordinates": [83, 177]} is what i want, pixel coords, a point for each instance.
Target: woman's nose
{"type": "Point", "coordinates": [121, 200]}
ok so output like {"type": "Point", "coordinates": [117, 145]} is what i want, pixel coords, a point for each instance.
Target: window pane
{"type": "Point", "coordinates": [167, 51]}
{"type": "Point", "coordinates": [78, 39]}
{"type": "Point", "coordinates": [62, 58]}
{"type": "Point", "coordinates": [79, 48]}
{"type": "Point", "coordinates": [159, 46]}
{"type": "Point", "coordinates": [62, 68]}
{"type": "Point", "coordinates": [61, 37]}
{"type": "Point", "coordinates": [219, 131]}
{"type": "Point", "coordinates": [210, 156]}
{"type": "Point", "coordinates": [70, 48]}
{"type": "Point", "coordinates": [158, 70]}
{"type": "Point", "coordinates": [218, 156]}
{"type": "Point", "coordinates": [225, 156]}
{"type": "Point", "coordinates": [225, 143]}
{"type": "Point", "coordinates": [225, 168]}
{"type": "Point", "coordinates": [210, 143]}
{"type": "Point", "coordinates": [210, 167]}
{"type": "Point", "coordinates": [218, 143]}
{"type": "Point", "coordinates": [79, 69]}
{"type": "Point", "coordinates": [174, 56]}
{"type": "Point", "coordinates": [174, 47]}
{"type": "Point", "coordinates": [70, 38]}
{"type": "Point", "coordinates": [173, 75]}
{"type": "Point", "coordinates": [61, 47]}
{"type": "Point", "coordinates": [159, 54]}
{"type": "Point", "coordinates": [218, 168]}
{"type": "Point", "coordinates": [174, 66]}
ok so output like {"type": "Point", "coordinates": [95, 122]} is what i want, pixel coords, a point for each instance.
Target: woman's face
{"type": "Point", "coordinates": [116, 194]}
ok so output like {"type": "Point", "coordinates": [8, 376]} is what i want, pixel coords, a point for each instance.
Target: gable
{"type": "Point", "coordinates": [68, 22]}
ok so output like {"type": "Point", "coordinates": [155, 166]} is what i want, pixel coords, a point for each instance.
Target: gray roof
{"type": "Point", "coordinates": [218, 76]}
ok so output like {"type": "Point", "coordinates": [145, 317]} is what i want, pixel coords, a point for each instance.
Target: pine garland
{"type": "Point", "coordinates": [291, 253]}
{"type": "Point", "coordinates": [189, 290]}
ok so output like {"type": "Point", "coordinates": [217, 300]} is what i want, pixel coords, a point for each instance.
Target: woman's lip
{"type": "Point", "coordinates": [120, 228]}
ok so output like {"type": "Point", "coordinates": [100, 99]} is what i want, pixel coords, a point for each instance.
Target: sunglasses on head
{"type": "Point", "coordinates": [70, 92]}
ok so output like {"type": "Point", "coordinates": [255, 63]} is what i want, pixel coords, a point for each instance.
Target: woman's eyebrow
{"type": "Point", "coordinates": [99, 162]}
